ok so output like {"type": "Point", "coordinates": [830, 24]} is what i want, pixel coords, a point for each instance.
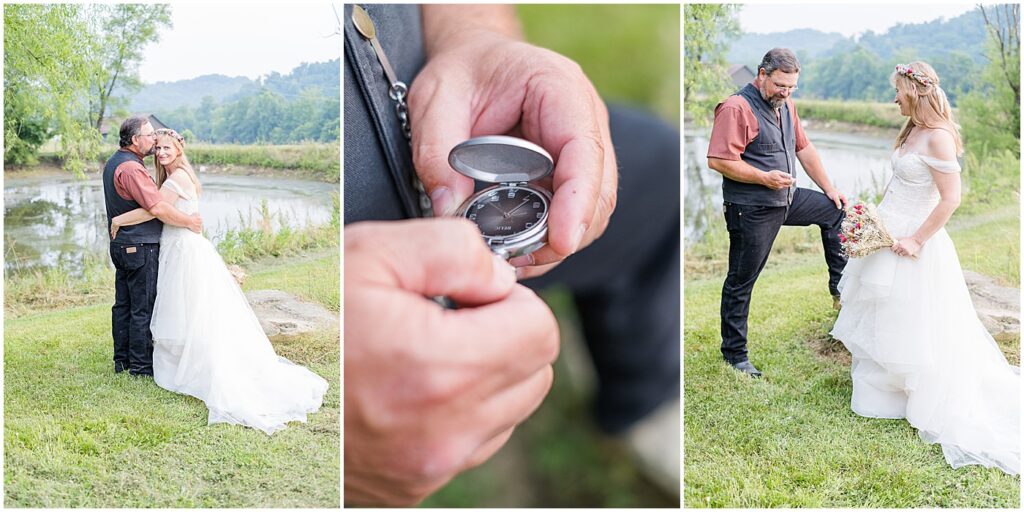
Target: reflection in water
{"type": "Point", "coordinates": [56, 220]}
{"type": "Point", "coordinates": [858, 165]}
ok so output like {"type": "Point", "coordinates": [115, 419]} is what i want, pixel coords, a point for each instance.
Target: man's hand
{"type": "Point", "coordinates": [195, 223]}
{"type": "Point", "coordinates": [431, 392]}
{"type": "Point", "coordinates": [479, 81]}
{"type": "Point", "coordinates": [837, 197]}
{"type": "Point", "coordinates": [776, 180]}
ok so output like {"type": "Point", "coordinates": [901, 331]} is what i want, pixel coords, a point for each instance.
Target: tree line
{"type": "Point", "coordinates": [70, 70]}
{"type": "Point", "coordinates": [302, 106]}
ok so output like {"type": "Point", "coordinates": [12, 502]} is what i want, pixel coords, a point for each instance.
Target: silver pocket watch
{"type": "Point", "coordinates": [512, 214]}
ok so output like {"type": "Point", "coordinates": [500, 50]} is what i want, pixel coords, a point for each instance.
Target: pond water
{"type": "Point", "coordinates": [54, 219]}
{"type": "Point", "coordinates": [857, 164]}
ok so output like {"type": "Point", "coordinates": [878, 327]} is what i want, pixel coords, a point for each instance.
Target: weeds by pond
{"type": "Point", "coordinates": [319, 161]}
{"type": "Point", "coordinates": [261, 238]}
{"type": "Point", "coordinates": [266, 236]}
{"type": "Point", "coordinates": [322, 160]}
{"type": "Point", "coordinates": [881, 115]}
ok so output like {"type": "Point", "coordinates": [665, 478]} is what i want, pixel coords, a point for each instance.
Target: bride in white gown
{"type": "Point", "coordinates": [919, 350]}
{"type": "Point", "coordinates": [207, 341]}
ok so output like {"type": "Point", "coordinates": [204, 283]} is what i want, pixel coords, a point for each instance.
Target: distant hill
{"type": "Point", "coordinates": [931, 40]}
{"type": "Point", "coordinates": [163, 96]}
{"type": "Point", "coordinates": [857, 68]}
{"type": "Point", "coordinates": [807, 43]}
{"type": "Point", "coordinates": [168, 96]}
{"type": "Point", "coordinates": [927, 41]}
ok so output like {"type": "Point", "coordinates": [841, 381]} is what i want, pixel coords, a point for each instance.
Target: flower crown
{"type": "Point", "coordinates": [172, 133]}
{"type": "Point", "coordinates": [916, 75]}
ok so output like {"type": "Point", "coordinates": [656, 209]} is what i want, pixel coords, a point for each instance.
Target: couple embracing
{"type": "Point", "coordinates": [918, 349]}
{"type": "Point", "coordinates": [178, 314]}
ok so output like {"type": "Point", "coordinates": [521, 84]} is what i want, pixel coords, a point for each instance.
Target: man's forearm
{"type": "Point", "coordinates": [737, 170]}
{"type": "Point", "coordinates": [170, 215]}
{"type": "Point", "coordinates": [444, 25]}
{"type": "Point", "coordinates": [811, 162]}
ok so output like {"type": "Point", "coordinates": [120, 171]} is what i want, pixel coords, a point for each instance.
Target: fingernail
{"type": "Point", "coordinates": [577, 237]}
{"type": "Point", "coordinates": [522, 261]}
{"type": "Point", "coordinates": [503, 270]}
{"type": "Point", "coordinates": [442, 200]}
{"type": "Point", "coordinates": [520, 273]}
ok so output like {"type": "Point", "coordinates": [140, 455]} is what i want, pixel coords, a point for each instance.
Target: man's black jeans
{"type": "Point", "coordinates": [134, 294]}
{"type": "Point", "coordinates": [752, 231]}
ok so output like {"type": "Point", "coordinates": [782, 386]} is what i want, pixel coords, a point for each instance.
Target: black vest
{"type": "Point", "coordinates": [145, 233]}
{"type": "Point", "coordinates": [774, 148]}
{"type": "Point", "coordinates": [374, 144]}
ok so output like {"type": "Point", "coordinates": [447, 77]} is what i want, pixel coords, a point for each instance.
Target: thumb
{"type": "Point", "coordinates": [440, 117]}
{"type": "Point", "coordinates": [428, 257]}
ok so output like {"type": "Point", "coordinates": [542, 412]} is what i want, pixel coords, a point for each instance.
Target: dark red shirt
{"type": "Point", "coordinates": [736, 126]}
{"type": "Point", "coordinates": [133, 182]}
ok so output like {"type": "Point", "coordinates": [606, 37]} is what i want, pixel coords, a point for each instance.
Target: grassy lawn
{"type": "Point", "coordinates": [77, 435]}
{"type": "Point", "coordinates": [790, 439]}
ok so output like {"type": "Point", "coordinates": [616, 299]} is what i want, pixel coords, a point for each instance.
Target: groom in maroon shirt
{"type": "Point", "coordinates": [755, 143]}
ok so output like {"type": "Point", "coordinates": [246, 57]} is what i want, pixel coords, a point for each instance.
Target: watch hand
{"type": "Point", "coordinates": [509, 214]}
{"type": "Point", "coordinates": [503, 212]}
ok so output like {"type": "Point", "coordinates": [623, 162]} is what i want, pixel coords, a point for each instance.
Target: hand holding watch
{"type": "Point", "coordinates": [517, 221]}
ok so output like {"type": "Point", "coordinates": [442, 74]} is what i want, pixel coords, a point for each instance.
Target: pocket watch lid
{"type": "Point", "coordinates": [500, 159]}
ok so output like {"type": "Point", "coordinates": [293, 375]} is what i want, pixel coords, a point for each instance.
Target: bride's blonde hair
{"type": "Point", "coordinates": [917, 85]}
{"type": "Point", "coordinates": [169, 135]}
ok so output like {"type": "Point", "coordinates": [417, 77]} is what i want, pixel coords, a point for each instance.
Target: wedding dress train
{"type": "Point", "coordinates": [209, 344]}
{"type": "Point", "coordinates": [919, 350]}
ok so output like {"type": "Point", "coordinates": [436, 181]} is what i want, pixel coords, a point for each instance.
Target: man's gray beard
{"type": "Point", "coordinates": [775, 103]}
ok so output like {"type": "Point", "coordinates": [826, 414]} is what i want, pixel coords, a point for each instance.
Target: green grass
{"type": "Point", "coordinates": [790, 440]}
{"type": "Point", "coordinates": [629, 52]}
{"type": "Point", "coordinates": [989, 243]}
{"type": "Point", "coordinates": [77, 435]}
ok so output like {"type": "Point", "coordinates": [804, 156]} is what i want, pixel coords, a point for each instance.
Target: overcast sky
{"type": "Point", "coordinates": [250, 40]}
{"type": "Point", "coordinates": [847, 19]}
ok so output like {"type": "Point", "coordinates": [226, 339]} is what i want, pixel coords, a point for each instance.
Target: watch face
{"type": "Point", "coordinates": [508, 211]}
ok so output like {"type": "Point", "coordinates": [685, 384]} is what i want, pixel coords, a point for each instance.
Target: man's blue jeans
{"type": "Point", "coordinates": [134, 294]}
{"type": "Point", "coordinates": [752, 231]}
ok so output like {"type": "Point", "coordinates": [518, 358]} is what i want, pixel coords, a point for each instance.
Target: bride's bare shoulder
{"type": "Point", "coordinates": [941, 144]}
{"type": "Point", "coordinates": [181, 178]}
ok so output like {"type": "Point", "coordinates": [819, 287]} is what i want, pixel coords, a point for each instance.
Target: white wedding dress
{"type": "Point", "coordinates": [207, 342]}
{"type": "Point", "coordinates": [919, 350]}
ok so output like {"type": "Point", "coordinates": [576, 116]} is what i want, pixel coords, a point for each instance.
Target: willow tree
{"type": "Point", "coordinates": [47, 68]}
{"type": "Point", "coordinates": [124, 31]}
{"type": "Point", "coordinates": [707, 32]}
{"type": "Point", "coordinates": [63, 66]}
